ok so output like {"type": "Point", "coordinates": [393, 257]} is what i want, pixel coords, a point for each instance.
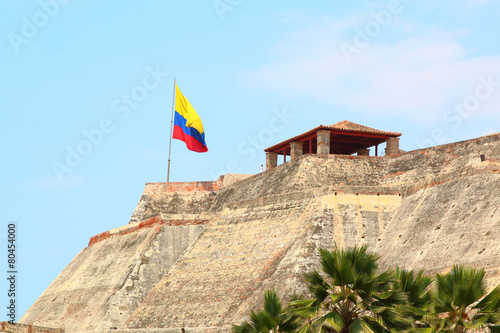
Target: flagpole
{"type": "Point", "coordinates": [171, 127]}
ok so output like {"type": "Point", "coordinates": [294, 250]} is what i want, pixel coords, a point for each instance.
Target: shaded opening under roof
{"type": "Point", "coordinates": [345, 138]}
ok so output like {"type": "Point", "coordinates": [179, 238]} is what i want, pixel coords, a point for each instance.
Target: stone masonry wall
{"type": "Point", "coordinates": [457, 222]}
{"type": "Point", "coordinates": [265, 203]}
{"type": "Point", "coordinates": [421, 168]}
{"type": "Point", "coordinates": [152, 222]}
{"type": "Point", "coordinates": [305, 172]}
{"type": "Point", "coordinates": [423, 209]}
{"type": "Point", "coordinates": [193, 198]}
{"type": "Point", "coordinates": [6, 327]}
{"type": "Point", "coordinates": [254, 245]}
{"type": "Point", "coordinates": [222, 270]}
{"type": "Point", "coordinates": [183, 186]}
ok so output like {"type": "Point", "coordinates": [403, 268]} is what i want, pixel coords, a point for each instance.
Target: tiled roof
{"type": "Point", "coordinates": [353, 127]}
{"type": "Point", "coordinates": [344, 128]}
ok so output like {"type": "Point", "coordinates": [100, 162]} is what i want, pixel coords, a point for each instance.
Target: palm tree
{"type": "Point", "coordinates": [270, 319]}
{"type": "Point", "coordinates": [416, 287]}
{"type": "Point", "coordinates": [457, 305]}
{"type": "Point", "coordinates": [353, 297]}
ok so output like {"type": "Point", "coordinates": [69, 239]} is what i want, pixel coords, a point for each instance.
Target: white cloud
{"type": "Point", "coordinates": [400, 72]}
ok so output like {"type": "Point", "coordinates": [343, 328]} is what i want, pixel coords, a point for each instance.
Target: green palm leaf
{"type": "Point", "coordinates": [272, 304]}
{"type": "Point", "coordinates": [455, 301]}
{"type": "Point", "coordinates": [360, 326]}
{"type": "Point", "coordinates": [490, 302]}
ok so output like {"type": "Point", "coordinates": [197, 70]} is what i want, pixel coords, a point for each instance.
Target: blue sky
{"type": "Point", "coordinates": [95, 78]}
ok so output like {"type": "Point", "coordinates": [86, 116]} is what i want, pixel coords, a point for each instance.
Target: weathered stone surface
{"type": "Point", "coordinates": [428, 208]}
{"type": "Point", "coordinates": [323, 143]}
{"type": "Point", "coordinates": [182, 198]}
{"type": "Point", "coordinates": [231, 178]}
{"type": "Point", "coordinates": [271, 160]}
{"type": "Point", "coordinates": [6, 327]}
{"type": "Point", "coordinates": [105, 282]}
{"type": "Point", "coordinates": [456, 222]}
{"type": "Point", "coordinates": [392, 146]}
{"type": "Point", "coordinates": [223, 269]}
{"type": "Point", "coordinates": [296, 149]}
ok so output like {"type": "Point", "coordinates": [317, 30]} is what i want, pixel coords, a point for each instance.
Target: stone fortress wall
{"type": "Point", "coordinates": [199, 255]}
{"type": "Point", "coordinates": [7, 327]}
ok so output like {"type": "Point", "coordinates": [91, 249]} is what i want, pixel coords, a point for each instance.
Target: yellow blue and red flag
{"type": "Point", "coordinates": [187, 124]}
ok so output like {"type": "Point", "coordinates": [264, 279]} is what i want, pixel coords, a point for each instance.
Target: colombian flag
{"type": "Point", "coordinates": [187, 124]}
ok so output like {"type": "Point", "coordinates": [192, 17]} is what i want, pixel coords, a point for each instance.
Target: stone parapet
{"type": "Point", "coordinates": [6, 327]}
{"type": "Point", "coordinates": [357, 157]}
{"type": "Point", "coordinates": [442, 163]}
{"type": "Point", "coordinates": [160, 198]}
{"type": "Point", "coordinates": [211, 186]}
